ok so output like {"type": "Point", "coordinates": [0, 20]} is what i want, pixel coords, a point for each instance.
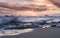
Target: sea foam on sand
{"type": "Point", "coordinates": [14, 32]}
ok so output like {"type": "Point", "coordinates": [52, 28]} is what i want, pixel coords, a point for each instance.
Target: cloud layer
{"type": "Point", "coordinates": [27, 7]}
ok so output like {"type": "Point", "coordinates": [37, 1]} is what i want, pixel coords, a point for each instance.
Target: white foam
{"type": "Point", "coordinates": [14, 32]}
{"type": "Point", "coordinates": [47, 26]}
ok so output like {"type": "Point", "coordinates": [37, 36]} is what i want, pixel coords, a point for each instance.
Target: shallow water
{"type": "Point", "coordinates": [14, 32]}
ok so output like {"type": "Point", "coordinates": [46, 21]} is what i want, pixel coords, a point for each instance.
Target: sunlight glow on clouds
{"type": "Point", "coordinates": [27, 7]}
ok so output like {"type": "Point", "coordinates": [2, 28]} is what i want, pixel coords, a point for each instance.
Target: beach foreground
{"type": "Point", "coordinates": [51, 32]}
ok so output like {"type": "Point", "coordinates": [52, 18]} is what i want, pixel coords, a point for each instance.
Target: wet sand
{"type": "Point", "coordinates": [39, 33]}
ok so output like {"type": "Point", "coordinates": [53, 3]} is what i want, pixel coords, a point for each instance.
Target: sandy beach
{"type": "Point", "coordinates": [39, 33]}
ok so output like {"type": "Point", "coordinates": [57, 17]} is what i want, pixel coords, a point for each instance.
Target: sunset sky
{"type": "Point", "coordinates": [29, 7]}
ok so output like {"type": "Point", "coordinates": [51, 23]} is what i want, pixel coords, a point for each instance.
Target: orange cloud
{"type": "Point", "coordinates": [25, 13]}
{"type": "Point", "coordinates": [36, 8]}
